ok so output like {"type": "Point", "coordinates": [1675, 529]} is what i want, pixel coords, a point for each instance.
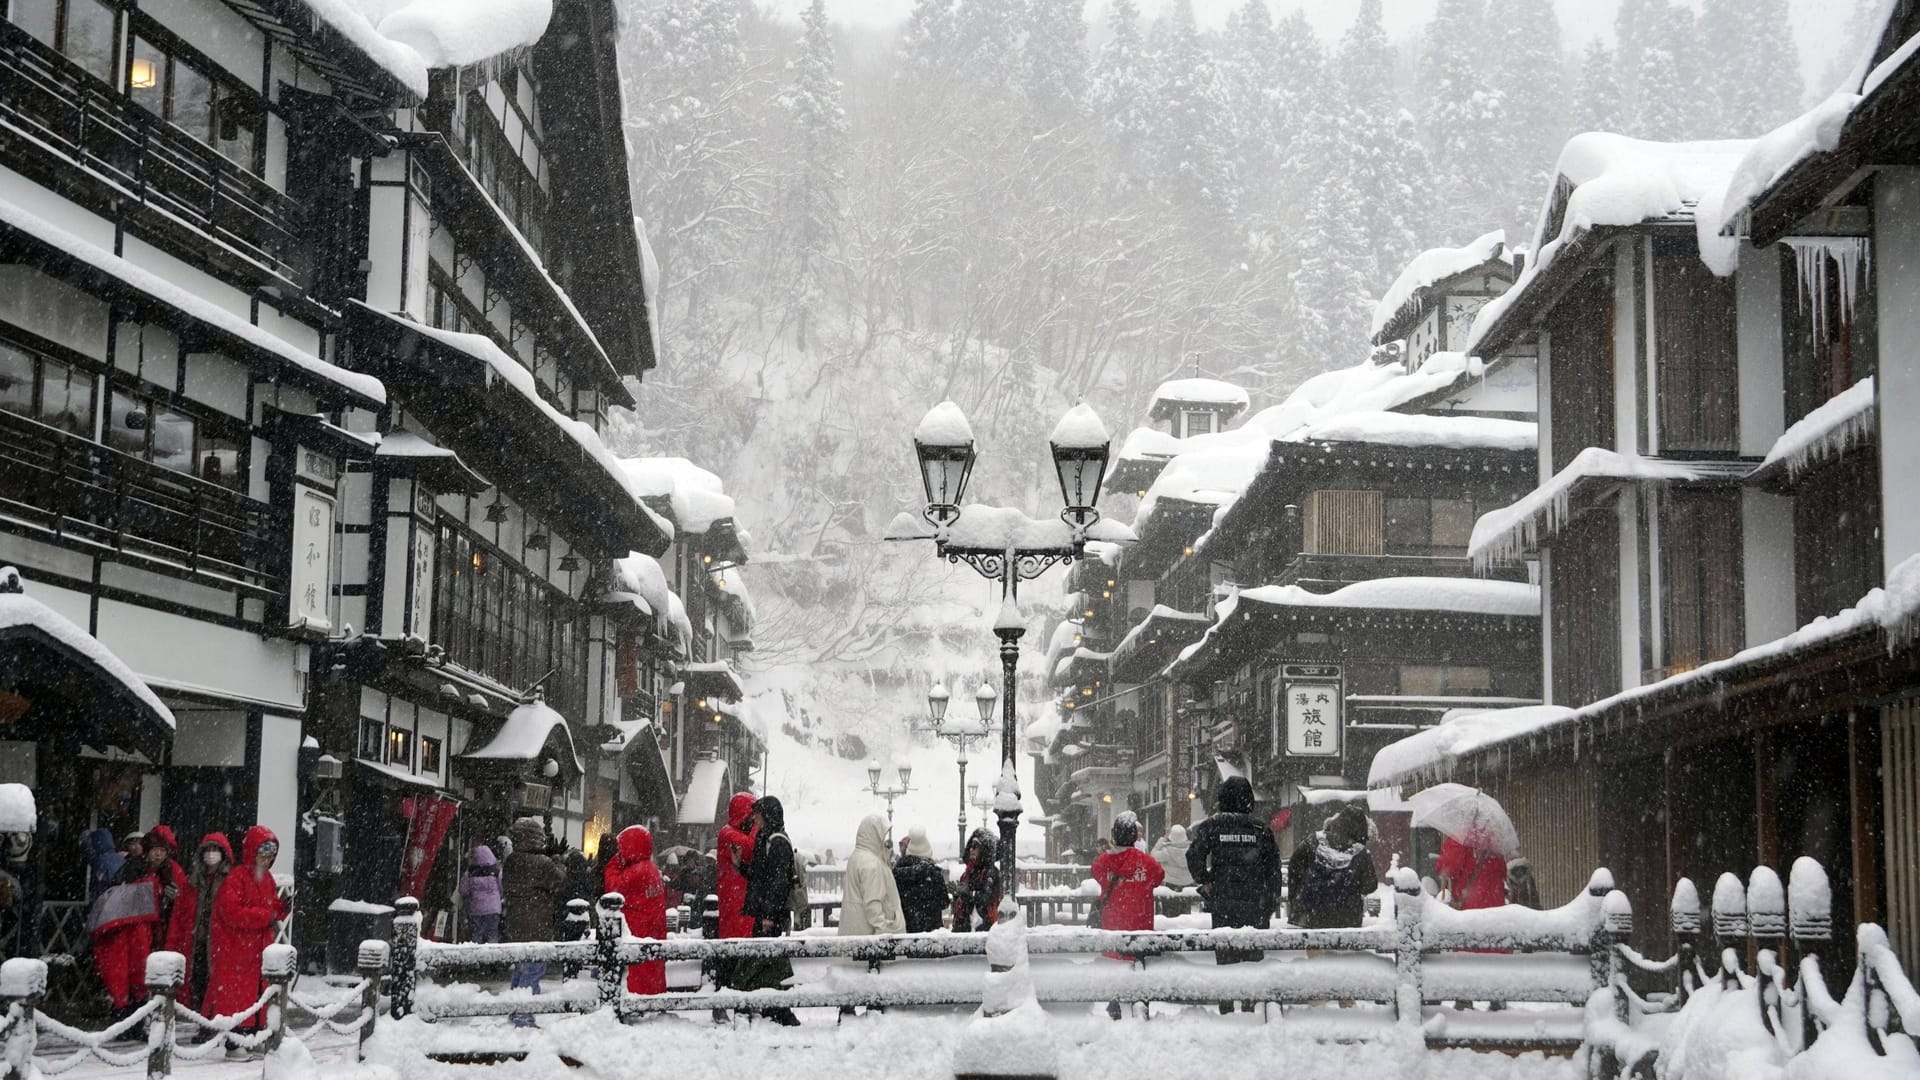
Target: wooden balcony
{"type": "Point", "coordinates": [80, 491]}
{"type": "Point", "coordinates": [60, 124]}
{"type": "Point", "coordinates": [1325, 573]}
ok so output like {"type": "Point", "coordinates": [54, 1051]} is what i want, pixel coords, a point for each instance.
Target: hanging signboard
{"type": "Point", "coordinates": [310, 580]}
{"type": "Point", "coordinates": [1311, 701]}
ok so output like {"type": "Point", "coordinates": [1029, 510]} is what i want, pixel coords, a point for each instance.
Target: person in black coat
{"type": "Point", "coordinates": [922, 884]}
{"type": "Point", "coordinates": [769, 885]}
{"type": "Point", "coordinates": [976, 896]}
{"type": "Point", "coordinates": [1332, 873]}
{"type": "Point", "coordinates": [1236, 865]}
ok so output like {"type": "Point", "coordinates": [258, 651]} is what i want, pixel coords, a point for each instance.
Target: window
{"type": "Point", "coordinates": [1196, 422]}
{"type": "Point", "coordinates": [1421, 526]}
{"type": "Point", "coordinates": [429, 754]}
{"type": "Point", "coordinates": [221, 114]}
{"type": "Point", "coordinates": [1696, 359]}
{"type": "Point", "coordinates": [84, 30]}
{"type": "Point", "coordinates": [1580, 335]}
{"type": "Point", "coordinates": [1831, 340]}
{"type": "Point", "coordinates": [400, 747]}
{"type": "Point", "coordinates": [143, 427]}
{"type": "Point", "coordinates": [1700, 554]}
{"type": "Point", "coordinates": [40, 388]}
{"type": "Point", "coordinates": [1343, 523]}
{"type": "Point", "coordinates": [373, 737]}
{"type": "Point", "coordinates": [1444, 680]}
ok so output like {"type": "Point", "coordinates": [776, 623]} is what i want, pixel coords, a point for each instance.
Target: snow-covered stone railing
{"type": "Point", "coordinates": [1765, 1018]}
{"type": "Point", "coordinates": [1415, 956]}
{"type": "Point", "coordinates": [23, 989]}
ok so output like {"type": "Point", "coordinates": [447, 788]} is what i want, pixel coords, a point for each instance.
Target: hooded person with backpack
{"type": "Point", "coordinates": [769, 885]}
{"type": "Point", "coordinates": [1236, 865]}
{"type": "Point", "coordinates": [1332, 873]}
{"type": "Point", "coordinates": [922, 884]}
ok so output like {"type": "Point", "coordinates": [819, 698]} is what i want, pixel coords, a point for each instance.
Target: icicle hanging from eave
{"type": "Point", "coordinates": [1842, 261]}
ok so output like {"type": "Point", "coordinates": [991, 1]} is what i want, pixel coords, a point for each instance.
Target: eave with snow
{"type": "Point", "coordinates": [56, 680]}
{"type": "Point", "coordinates": [1799, 175]}
{"type": "Point", "coordinates": [1479, 269]}
{"type": "Point", "coordinates": [531, 734]}
{"type": "Point", "coordinates": [1153, 642]}
{"type": "Point", "coordinates": [481, 402]}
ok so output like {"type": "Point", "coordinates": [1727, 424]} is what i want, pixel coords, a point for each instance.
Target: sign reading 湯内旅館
{"type": "Point", "coordinates": [1310, 706]}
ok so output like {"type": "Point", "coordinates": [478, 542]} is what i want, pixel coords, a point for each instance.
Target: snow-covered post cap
{"type": "Point", "coordinates": [18, 813]}
{"type": "Point", "coordinates": [1810, 900]}
{"type": "Point", "coordinates": [1766, 903]}
{"type": "Point", "coordinates": [1729, 907]}
{"type": "Point", "coordinates": [373, 955]}
{"type": "Point", "coordinates": [1601, 883]}
{"type": "Point", "coordinates": [278, 961]}
{"type": "Point", "coordinates": [22, 976]}
{"type": "Point", "coordinates": [167, 970]}
{"type": "Point", "coordinates": [1406, 882]}
{"type": "Point", "coordinates": [10, 580]}
{"type": "Point", "coordinates": [1616, 912]}
{"type": "Point", "coordinates": [1685, 907]}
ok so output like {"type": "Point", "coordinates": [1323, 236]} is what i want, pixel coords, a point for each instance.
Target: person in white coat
{"type": "Point", "coordinates": [1171, 852]}
{"type": "Point", "coordinates": [870, 902]}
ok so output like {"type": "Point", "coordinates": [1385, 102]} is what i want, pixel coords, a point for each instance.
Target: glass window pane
{"type": "Point", "coordinates": [1422, 680]}
{"type": "Point", "coordinates": [66, 398]}
{"type": "Point", "coordinates": [1452, 523]}
{"type": "Point", "coordinates": [91, 36]}
{"type": "Point", "coordinates": [16, 381]}
{"type": "Point", "coordinates": [237, 128]}
{"type": "Point", "coordinates": [1462, 680]}
{"type": "Point", "coordinates": [172, 440]}
{"type": "Point", "coordinates": [192, 101]}
{"type": "Point", "coordinates": [220, 462]}
{"type": "Point", "coordinates": [147, 76]}
{"type": "Point", "coordinates": [1407, 526]}
{"type": "Point", "coordinates": [35, 17]}
{"type": "Point", "coordinates": [127, 424]}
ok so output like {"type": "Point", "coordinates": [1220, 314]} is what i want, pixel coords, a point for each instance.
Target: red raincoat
{"type": "Point", "coordinates": [633, 875]}
{"type": "Point", "coordinates": [244, 912]}
{"type": "Point", "coordinates": [1127, 878]}
{"type": "Point", "coordinates": [186, 909]}
{"type": "Point", "coordinates": [1479, 877]}
{"type": "Point", "coordinates": [733, 852]}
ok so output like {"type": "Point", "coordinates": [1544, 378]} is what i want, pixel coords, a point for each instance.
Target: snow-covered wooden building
{"type": "Point", "coordinates": [308, 338]}
{"type": "Point", "coordinates": [1319, 549]}
{"type": "Point", "coordinates": [1723, 529]}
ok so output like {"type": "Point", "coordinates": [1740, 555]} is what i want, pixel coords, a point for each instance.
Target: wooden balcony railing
{"type": "Point", "coordinates": [1309, 569]}
{"type": "Point", "coordinates": [77, 488]}
{"type": "Point", "coordinates": [48, 101]}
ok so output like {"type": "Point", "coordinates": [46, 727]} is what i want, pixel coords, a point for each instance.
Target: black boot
{"type": "Point", "coordinates": [783, 1017]}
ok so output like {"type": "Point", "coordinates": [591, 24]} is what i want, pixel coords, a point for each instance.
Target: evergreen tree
{"type": "Point", "coordinates": [1120, 90]}
{"type": "Point", "coordinates": [1530, 77]}
{"type": "Point", "coordinates": [816, 178]}
{"type": "Point", "coordinates": [1249, 57]}
{"type": "Point", "coordinates": [1463, 117]}
{"type": "Point", "coordinates": [1862, 32]}
{"type": "Point", "coordinates": [986, 36]}
{"type": "Point", "coordinates": [1597, 103]}
{"type": "Point", "coordinates": [1375, 146]}
{"type": "Point", "coordinates": [1655, 39]}
{"type": "Point", "coordinates": [1056, 60]}
{"type": "Point", "coordinates": [1757, 74]}
{"type": "Point", "coordinates": [928, 43]}
{"type": "Point", "coordinates": [1192, 138]}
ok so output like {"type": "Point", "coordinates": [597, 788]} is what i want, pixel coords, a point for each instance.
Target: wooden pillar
{"type": "Point", "coordinates": [1766, 824]}
{"type": "Point", "coordinates": [1677, 863]}
{"type": "Point", "coordinates": [1864, 796]}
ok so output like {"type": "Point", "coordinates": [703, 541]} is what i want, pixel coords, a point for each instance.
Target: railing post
{"type": "Point", "coordinates": [1409, 940]}
{"type": "Point", "coordinates": [1686, 933]}
{"type": "Point", "coordinates": [612, 926]}
{"type": "Point", "coordinates": [1810, 921]}
{"type": "Point", "coordinates": [277, 965]}
{"type": "Point", "coordinates": [579, 926]}
{"type": "Point", "coordinates": [406, 953]}
{"type": "Point", "coordinates": [1729, 920]}
{"type": "Point", "coordinates": [1617, 922]}
{"type": "Point", "coordinates": [23, 983]}
{"type": "Point", "coordinates": [165, 972]}
{"type": "Point", "coordinates": [372, 964]}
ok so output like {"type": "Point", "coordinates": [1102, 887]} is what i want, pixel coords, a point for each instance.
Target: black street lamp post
{"type": "Point", "coordinates": [962, 735]}
{"type": "Point", "coordinates": [1007, 546]}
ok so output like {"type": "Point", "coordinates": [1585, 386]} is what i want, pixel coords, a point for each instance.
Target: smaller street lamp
{"type": "Point", "coordinates": [889, 793]}
{"type": "Point", "coordinates": [962, 734]}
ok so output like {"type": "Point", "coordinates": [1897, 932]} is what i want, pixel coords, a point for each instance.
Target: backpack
{"type": "Point", "coordinates": [1329, 879]}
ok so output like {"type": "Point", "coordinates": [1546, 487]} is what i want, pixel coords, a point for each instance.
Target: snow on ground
{"type": "Point", "coordinates": [1188, 1045]}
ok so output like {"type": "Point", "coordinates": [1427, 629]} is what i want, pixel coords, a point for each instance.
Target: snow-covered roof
{"type": "Point", "coordinates": [1508, 533]}
{"type": "Point", "coordinates": [508, 370]}
{"type": "Point", "coordinates": [1431, 754]}
{"type": "Point", "coordinates": [1774, 154]}
{"type": "Point", "coordinates": [1214, 394]}
{"type": "Point", "coordinates": [1844, 421]}
{"type": "Point", "coordinates": [1431, 267]}
{"type": "Point", "coordinates": [1419, 429]}
{"type": "Point", "coordinates": [188, 303]}
{"type": "Point", "coordinates": [18, 611]}
{"type": "Point", "coordinates": [526, 735]}
{"type": "Point", "coordinates": [1478, 596]}
{"type": "Point", "coordinates": [697, 497]}
{"type": "Point", "coordinates": [701, 804]}
{"type": "Point", "coordinates": [1615, 181]}
{"type": "Point", "coordinates": [641, 577]}
{"type": "Point", "coordinates": [408, 39]}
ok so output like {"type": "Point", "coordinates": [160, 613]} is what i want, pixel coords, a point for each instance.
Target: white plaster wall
{"type": "Point", "coordinates": [205, 285]}
{"type": "Point", "coordinates": [1896, 259]}
{"type": "Point", "coordinates": [1766, 536]}
{"type": "Point", "coordinates": [279, 807]}
{"type": "Point", "coordinates": [1762, 354]}
{"type": "Point", "coordinates": [1627, 511]}
{"type": "Point", "coordinates": [178, 649]}
{"type": "Point", "coordinates": [1626, 323]}
{"type": "Point", "coordinates": [43, 203]}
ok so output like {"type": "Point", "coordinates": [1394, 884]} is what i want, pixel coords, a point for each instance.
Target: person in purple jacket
{"type": "Point", "coordinates": [480, 892]}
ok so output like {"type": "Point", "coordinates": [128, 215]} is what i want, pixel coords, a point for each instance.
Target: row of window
{"type": "Point", "coordinates": [187, 91]}
{"type": "Point", "coordinates": [63, 395]}
{"type": "Point", "coordinates": [495, 617]}
{"type": "Point", "coordinates": [398, 746]}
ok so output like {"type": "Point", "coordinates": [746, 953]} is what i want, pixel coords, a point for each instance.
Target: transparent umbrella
{"type": "Point", "coordinates": [1468, 815]}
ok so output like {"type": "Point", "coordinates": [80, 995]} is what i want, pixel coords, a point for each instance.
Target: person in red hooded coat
{"type": "Point", "coordinates": [733, 852]}
{"type": "Point", "coordinates": [246, 915]}
{"type": "Point", "coordinates": [192, 920]}
{"type": "Point", "coordinates": [633, 875]}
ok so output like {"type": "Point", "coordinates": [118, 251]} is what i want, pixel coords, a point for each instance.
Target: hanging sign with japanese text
{"type": "Point", "coordinates": [310, 582]}
{"type": "Point", "coordinates": [1311, 704]}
